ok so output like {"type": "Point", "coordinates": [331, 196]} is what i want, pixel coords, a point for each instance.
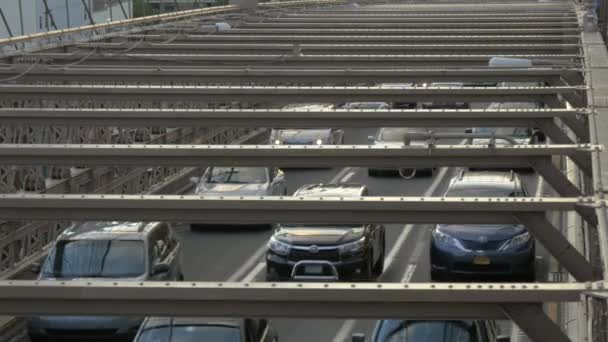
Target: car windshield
{"type": "Point", "coordinates": [479, 192]}
{"type": "Point", "coordinates": [397, 134]}
{"type": "Point", "coordinates": [427, 331]}
{"type": "Point", "coordinates": [95, 259]}
{"type": "Point", "coordinates": [189, 333]}
{"type": "Point", "coordinates": [520, 132]}
{"type": "Point", "coordinates": [237, 175]}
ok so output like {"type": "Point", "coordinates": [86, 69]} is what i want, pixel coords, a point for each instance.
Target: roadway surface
{"type": "Point", "coordinates": [237, 254]}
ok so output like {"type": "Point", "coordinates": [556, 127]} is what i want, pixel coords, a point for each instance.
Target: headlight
{"type": "Point", "coordinates": [353, 247]}
{"type": "Point", "coordinates": [319, 141]}
{"type": "Point", "coordinates": [444, 239]}
{"type": "Point", "coordinates": [277, 142]}
{"type": "Point", "coordinates": [516, 242]}
{"type": "Point", "coordinates": [278, 247]}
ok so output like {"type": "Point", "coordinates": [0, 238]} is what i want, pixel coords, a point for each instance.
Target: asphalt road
{"type": "Point", "coordinates": [232, 254]}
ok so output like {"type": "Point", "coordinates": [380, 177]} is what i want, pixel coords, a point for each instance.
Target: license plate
{"type": "Point", "coordinates": [313, 269]}
{"type": "Point", "coordinates": [481, 260]}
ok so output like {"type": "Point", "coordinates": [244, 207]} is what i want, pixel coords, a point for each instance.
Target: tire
{"type": "Point", "coordinates": [194, 227]}
{"type": "Point", "coordinates": [272, 277]}
{"type": "Point", "coordinates": [180, 277]}
{"type": "Point", "coordinates": [372, 173]}
{"type": "Point", "coordinates": [379, 266]}
{"type": "Point", "coordinates": [368, 270]}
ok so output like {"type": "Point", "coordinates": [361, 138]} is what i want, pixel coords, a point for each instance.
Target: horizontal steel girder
{"type": "Point", "coordinates": [305, 210]}
{"type": "Point", "coordinates": [285, 155]}
{"type": "Point", "coordinates": [384, 32]}
{"type": "Point", "coordinates": [305, 300]}
{"type": "Point", "coordinates": [284, 118]}
{"type": "Point", "coordinates": [286, 93]}
{"type": "Point", "coordinates": [400, 39]}
{"type": "Point", "coordinates": [354, 49]}
{"type": "Point", "coordinates": [431, 23]}
{"type": "Point", "coordinates": [297, 60]}
{"type": "Point", "coordinates": [249, 74]}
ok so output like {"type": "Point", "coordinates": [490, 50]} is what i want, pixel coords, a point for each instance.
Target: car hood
{"type": "Point", "coordinates": [302, 135]}
{"type": "Point", "coordinates": [492, 232]}
{"type": "Point", "coordinates": [230, 189]}
{"type": "Point", "coordinates": [305, 236]}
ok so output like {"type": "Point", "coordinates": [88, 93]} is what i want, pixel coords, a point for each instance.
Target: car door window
{"type": "Point", "coordinates": [160, 244]}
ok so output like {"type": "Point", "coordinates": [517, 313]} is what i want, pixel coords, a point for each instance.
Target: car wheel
{"type": "Point", "coordinates": [194, 227]}
{"type": "Point", "coordinates": [272, 277]}
{"type": "Point", "coordinates": [180, 277]}
{"type": "Point", "coordinates": [372, 173]}
{"type": "Point", "coordinates": [379, 266]}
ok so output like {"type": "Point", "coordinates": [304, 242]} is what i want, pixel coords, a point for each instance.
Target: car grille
{"type": "Point", "coordinates": [482, 246]}
{"type": "Point", "coordinates": [323, 254]}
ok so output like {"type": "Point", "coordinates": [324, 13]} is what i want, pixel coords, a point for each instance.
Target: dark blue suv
{"type": "Point", "coordinates": [503, 250]}
{"type": "Point", "coordinates": [433, 331]}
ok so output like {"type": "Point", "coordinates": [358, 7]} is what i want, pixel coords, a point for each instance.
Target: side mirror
{"type": "Point", "coordinates": [195, 180]}
{"type": "Point", "coordinates": [36, 267]}
{"type": "Point", "coordinates": [358, 337]}
{"type": "Point", "coordinates": [370, 139]}
{"type": "Point", "coordinates": [160, 268]}
{"type": "Point", "coordinates": [468, 130]}
{"type": "Point", "coordinates": [503, 338]}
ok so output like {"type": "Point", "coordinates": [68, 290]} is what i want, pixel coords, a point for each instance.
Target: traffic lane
{"type": "Point", "coordinates": [402, 241]}
{"type": "Point", "coordinates": [297, 178]}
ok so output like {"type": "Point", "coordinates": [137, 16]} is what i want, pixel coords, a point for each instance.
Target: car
{"type": "Point", "coordinates": [307, 136]}
{"type": "Point", "coordinates": [482, 250]}
{"type": "Point", "coordinates": [445, 104]}
{"type": "Point", "coordinates": [240, 181]}
{"type": "Point", "coordinates": [433, 331]}
{"type": "Point", "coordinates": [187, 329]}
{"type": "Point", "coordinates": [367, 105]}
{"type": "Point", "coordinates": [396, 137]}
{"type": "Point", "coordinates": [399, 104]}
{"type": "Point", "coordinates": [125, 251]}
{"type": "Point", "coordinates": [517, 135]}
{"type": "Point", "coordinates": [353, 251]}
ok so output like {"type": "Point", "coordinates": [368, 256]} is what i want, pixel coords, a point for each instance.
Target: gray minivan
{"type": "Point", "coordinates": [100, 251]}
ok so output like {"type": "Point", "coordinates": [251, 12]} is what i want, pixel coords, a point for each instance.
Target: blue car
{"type": "Point", "coordinates": [482, 250]}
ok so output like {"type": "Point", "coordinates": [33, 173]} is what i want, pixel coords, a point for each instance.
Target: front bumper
{"type": "Point", "coordinates": [452, 262]}
{"type": "Point", "coordinates": [280, 268]}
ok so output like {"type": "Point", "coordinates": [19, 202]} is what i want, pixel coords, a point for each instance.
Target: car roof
{"type": "Point", "coordinates": [396, 85]}
{"type": "Point", "coordinates": [166, 321]}
{"type": "Point", "coordinates": [487, 179]}
{"type": "Point", "coordinates": [108, 230]}
{"type": "Point", "coordinates": [342, 189]}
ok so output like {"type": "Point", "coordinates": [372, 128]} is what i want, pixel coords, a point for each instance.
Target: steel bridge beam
{"type": "Point", "coordinates": [430, 23]}
{"type": "Point", "coordinates": [411, 60]}
{"type": "Point", "coordinates": [381, 32]}
{"type": "Point", "coordinates": [353, 49]}
{"type": "Point", "coordinates": [286, 94]}
{"type": "Point", "coordinates": [513, 39]}
{"type": "Point", "coordinates": [241, 75]}
{"type": "Point", "coordinates": [542, 118]}
{"type": "Point", "coordinates": [307, 300]}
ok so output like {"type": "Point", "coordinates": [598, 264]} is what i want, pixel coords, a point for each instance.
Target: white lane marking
{"type": "Point", "coordinates": [409, 273]}
{"type": "Point", "coordinates": [238, 274]}
{"type": "Point", "coordinates": [407, 229]}
{"type": "Point", "coordinates": [347, 177]}
{"type": "Point", "coordinates": [254, 272]}
{"type": "Point", "coordinates": [340, 175]}
{"type": "Point", "coordinates": [344, 331]}
{"type": "Point", "coordinates": [349, 325]}
{"type": "Point", "coordinates": [539, 186]}
{"type": "Point", "coordinates": [411, 267]}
